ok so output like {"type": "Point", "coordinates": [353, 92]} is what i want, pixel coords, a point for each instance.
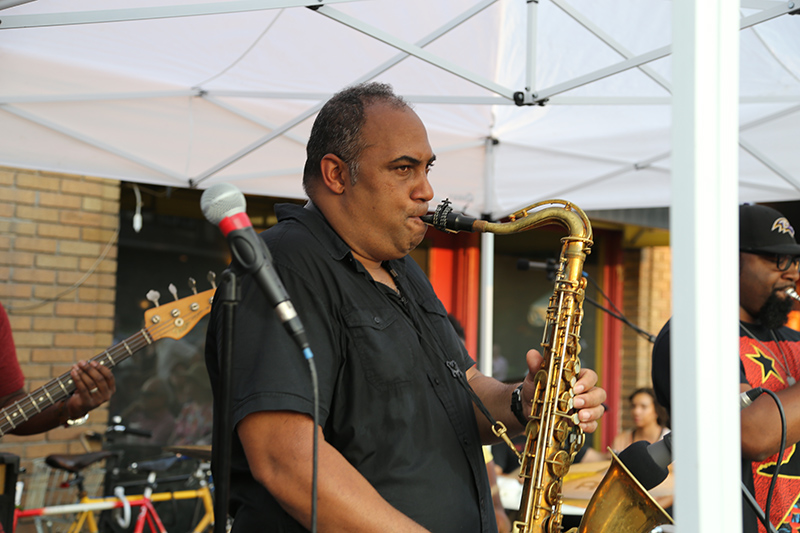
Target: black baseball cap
{"type": "Point", "coordinates": [765, 230]}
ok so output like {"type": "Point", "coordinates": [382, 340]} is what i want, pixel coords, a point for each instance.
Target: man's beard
{"type": "Point", "coordinates": [775, 311]}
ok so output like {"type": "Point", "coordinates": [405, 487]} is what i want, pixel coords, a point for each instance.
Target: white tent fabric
{"type": "Point", "coordinates": [196, 100]}
{"type": "Point", "coordinates": [229, 97]}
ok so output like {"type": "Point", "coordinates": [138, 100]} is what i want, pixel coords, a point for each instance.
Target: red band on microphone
{"type": "Point", "coordinates": [234, 222]}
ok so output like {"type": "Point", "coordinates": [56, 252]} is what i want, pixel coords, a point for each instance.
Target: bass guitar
{"type": "Point", "coordinates": [173, 320]}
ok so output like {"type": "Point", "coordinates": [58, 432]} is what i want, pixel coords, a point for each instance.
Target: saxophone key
{"type": "Point", "coordinates": [559, 463]}
{"type": "Point", "coordinates": [561, 431]}
{"type": "Point", "coordinates": [553, 493]}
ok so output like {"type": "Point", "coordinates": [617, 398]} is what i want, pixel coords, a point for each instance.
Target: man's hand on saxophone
{"type": "Point", "coordinates": [588, 396]}
{"type": "Point", "coordinates": [498, 397]}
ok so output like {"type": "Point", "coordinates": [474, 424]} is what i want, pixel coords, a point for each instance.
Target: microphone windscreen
{"type": "Point", "coordinates": [523, 264]}
{"type": "Point", "coordinates": [641, 464]}
{"type": "Point", "coordinates": [221, 201]}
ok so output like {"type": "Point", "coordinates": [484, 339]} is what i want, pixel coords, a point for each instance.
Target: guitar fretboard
{"type": "Point", "coordinates": [63, 386]}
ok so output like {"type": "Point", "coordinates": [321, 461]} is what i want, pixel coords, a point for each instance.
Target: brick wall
{"type": "Point", "coordinates": [647, 303]}
{"type": "Point", "coordinates": [53, 229]}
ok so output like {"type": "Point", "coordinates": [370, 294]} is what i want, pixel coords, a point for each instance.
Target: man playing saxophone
{"type": "Point", "coordinates": [400, 440]}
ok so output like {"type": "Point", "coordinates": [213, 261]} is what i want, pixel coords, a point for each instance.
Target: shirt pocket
{"type": "Point", "coordinates": [384, 345]}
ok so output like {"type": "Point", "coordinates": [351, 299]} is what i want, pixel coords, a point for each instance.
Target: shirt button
{"type": "Point", "coordinates": [466, 441]}
{"type": "Point", "coordinates": [377, 320]}
{"type": "Point", "coordinates": [436, 380]}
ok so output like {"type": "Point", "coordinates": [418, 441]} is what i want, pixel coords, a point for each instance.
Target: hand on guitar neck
{"type": "Point", "coordinates": [94, 385]}
{"type": "Point", "coordinates": [67, 399]}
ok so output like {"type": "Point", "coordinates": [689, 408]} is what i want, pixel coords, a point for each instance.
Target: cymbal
{"type": "Point", "coordinates": [202, 453]}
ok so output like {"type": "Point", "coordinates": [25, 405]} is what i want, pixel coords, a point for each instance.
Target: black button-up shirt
{"type": "Point", "coordinates": [388, 401]}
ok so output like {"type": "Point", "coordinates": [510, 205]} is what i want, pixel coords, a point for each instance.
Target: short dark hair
{"type": "Point", "coordinates": [662, 418]}
{"type": "Point", "coordinates": [337, 128]}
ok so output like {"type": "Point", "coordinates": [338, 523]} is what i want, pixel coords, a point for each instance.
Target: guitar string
{"type": "Point", "coordinates": [54, 395]}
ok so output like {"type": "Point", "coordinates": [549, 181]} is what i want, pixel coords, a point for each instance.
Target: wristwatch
{"type": "Point", "coordinates": [77, 421]}
{"type": "Point", "coordinates": [516, 406]}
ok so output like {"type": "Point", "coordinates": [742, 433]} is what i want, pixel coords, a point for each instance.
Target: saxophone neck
{"type": "Point", "coordinates": [540, 214]}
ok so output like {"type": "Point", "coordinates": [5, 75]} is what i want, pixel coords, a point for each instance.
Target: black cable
{"type": "Point", "coordinates": [315, 386]}
{"type": "Point", "coordinates": [780, 453]}
{"type": "Point", "coordinates": [600, 290]}
{"type": "Point", "coordinates": [650, 337]}
{"type": "Point", "coordinates": [757, 509]}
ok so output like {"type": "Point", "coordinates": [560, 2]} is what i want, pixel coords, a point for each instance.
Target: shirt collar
{"type": "Point", "coordinates": [312, 218]}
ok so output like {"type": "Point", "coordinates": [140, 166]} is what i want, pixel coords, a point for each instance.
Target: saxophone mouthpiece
{"type": "Point", "coordinates": [444, 219]}
{"type": "Point", "coordinates": [793, 293]}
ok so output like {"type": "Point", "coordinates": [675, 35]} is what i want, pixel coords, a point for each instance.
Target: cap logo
{"type": "Point", "coordinates": [783, 226]}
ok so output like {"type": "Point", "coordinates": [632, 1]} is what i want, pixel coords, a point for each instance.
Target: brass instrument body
{"type": "Point", "coordinates": [553, 437]}
{"type": "Point", "coordinates": [621, 505]}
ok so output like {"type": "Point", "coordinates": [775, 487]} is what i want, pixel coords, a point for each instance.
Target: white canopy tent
{"type": "Point", "coordinates": [193, 93]}
{"type": "Point", "coordinates": [163, 97]}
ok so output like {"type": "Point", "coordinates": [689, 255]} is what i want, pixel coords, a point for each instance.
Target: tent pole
{"type": "Point", "coordinates": [530, 70]}
{"type": "Point", "coordinates": [486, 318]}
{"type": "Point", "coordinates": [703, 225]}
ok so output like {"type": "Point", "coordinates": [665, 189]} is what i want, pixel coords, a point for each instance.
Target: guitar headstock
{"type": "Point", "coordinates": [175, 319]}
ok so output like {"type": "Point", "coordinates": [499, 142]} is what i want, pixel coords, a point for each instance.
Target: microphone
{"type": "Point", "coordinates": [747, 397]}
{"type": "Point", "coordinates": [224, 205]}
{"type": "Point", "coordinates": [525, 264]}
{"type": "Point", "coordinates": [648, 462]}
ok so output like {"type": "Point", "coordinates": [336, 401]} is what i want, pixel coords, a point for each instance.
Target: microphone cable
{"type": "Point", "coordinates": [616, 313]}
{"type": "Point", "coordinates": [774, 480]}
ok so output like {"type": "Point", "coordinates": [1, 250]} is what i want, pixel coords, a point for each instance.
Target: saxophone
{"type": "Point", "coordinates": [553, 436]}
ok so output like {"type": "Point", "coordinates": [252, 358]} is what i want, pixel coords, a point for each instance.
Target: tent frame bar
{"type": "Point", "coordinates": [67, 18]}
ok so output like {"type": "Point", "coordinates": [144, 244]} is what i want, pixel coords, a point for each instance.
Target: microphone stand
{"type": "Point", "coordinates": [230, 294]}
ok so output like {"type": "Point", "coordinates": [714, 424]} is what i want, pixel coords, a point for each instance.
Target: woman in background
{"type": "Point", "coordinates": [649, 420]}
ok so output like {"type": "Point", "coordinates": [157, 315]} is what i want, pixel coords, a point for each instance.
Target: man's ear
{"type": "Point", "coordinates": [335, 173]}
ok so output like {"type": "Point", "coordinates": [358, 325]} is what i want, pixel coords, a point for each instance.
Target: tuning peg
{"type": "Point", "coordinates": [212, 277]}
{"type": "Point", "coordinates": [173, 290]}
{"type": "Point", "coordinates": [193, 285]}
{"type": "Point", "coordinates": [153, 296]}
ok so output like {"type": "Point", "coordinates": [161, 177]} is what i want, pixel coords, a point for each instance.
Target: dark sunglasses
{"type": "Point", "coordinates": [782, 261]}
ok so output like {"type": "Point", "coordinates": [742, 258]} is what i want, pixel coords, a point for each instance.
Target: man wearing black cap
{"type": "Point", "coordinates": [769, 355]}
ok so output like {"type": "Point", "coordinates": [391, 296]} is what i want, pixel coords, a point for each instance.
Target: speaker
{"type": "Point", "coordinates": [9, 470]}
